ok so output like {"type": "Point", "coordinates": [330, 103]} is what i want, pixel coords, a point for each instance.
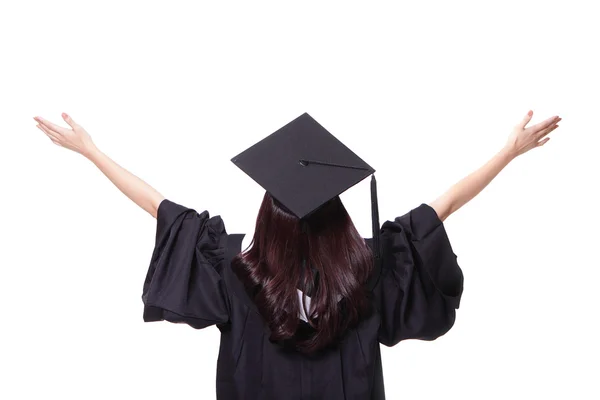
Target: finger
{"type": "Point", "coordinates": [546, 131]}
{"type": "Point", "coordinates": [542, 142]}
{"type": "Point", "coordinates": [69, 120]}
{"type": "Point", "coordinates": [48, 126]}
{"type": "Point", "coordinates": [544, 124]}
{"type": "Point", "coordinates": [526, 119]}
{"type": "Point", "coordinates": [48, 132]}
{"type": "Point", "coordinates": [58, 129]}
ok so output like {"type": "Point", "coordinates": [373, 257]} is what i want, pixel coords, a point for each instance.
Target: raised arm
{"type": "Point", "coordinates": [78, 140]}
{"type": "Point", "coordinates": [521, 140]}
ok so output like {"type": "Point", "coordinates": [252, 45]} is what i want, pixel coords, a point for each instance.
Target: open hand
{"type": "Point", "coordinates": [523, 139]}
{"type": "Point", "coordinates": [76, 138]}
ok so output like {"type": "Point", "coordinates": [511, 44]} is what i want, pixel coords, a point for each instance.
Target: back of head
{"type": "Point", "coordinates": [323, 255]}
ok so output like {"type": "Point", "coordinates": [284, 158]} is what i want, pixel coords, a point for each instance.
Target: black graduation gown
{"type": "Point", "coordinates": [190, 281]}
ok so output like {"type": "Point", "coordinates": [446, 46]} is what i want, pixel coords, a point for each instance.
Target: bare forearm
{"type": "Point", "coordinates": [133, 187]}
{"type": "Point", "coordinates": [470, 186]}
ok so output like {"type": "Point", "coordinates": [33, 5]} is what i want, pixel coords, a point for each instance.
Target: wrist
{"type": "Point", "coordinates": [91, 153]}
{"type": "Point", "coordinates": [507, 153]}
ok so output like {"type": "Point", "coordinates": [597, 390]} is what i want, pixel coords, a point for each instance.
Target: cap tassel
{"type": "Point", "coordinates": [375, 216]}
{"type": "Point", "coordinates": [376, 240]}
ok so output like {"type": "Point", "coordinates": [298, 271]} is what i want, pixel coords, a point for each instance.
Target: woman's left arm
{"type": "Point", "coordinates": [521, 140]}
{"type": "Point", "coordinates": [78, 140]}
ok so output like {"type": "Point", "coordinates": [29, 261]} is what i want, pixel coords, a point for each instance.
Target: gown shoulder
{"type": "Point", "coordinates": [421, 283]}
{"type": "Point", "coordinates": [183, 283]}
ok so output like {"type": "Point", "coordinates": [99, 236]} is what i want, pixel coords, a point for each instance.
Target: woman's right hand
{"type": "Point", "coordinates": [523, 139]}
{"type": "Point", "coordinates": [75, 139]}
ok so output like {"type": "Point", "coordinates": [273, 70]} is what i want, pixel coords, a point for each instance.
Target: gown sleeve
{"type": "Point", "coordinates": [183, 283]}
{"type": "Point", "coordinates": [421, 283]}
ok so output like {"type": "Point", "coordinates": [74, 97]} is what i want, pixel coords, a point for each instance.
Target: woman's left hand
{"type": "Point", "coordinates": [76, 138]}
{"type": "Point", "coordinates": [522, 139]}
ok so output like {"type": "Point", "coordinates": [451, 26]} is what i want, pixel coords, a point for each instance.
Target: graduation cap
{"type": "Point", "coordinates": [303, 166]}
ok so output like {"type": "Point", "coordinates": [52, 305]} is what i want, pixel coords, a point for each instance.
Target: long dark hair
{"type": "Point", "coordinates": [281, 258]}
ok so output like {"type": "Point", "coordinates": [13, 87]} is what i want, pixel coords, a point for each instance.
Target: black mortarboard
{"type": "Point", "coordinates": [303, 166]}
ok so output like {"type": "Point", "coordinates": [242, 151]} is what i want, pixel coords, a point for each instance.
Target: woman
{"type": "Point", "coordinates": [302, 311]}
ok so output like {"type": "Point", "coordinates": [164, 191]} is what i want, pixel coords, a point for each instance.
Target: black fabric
{"type": "Point", "coordinates": [189, 280]}
{"type": "Point", "coordinates": [182, 283]}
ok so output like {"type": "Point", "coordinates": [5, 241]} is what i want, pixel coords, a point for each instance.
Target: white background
{"type": "Point", "coordinates": [424, 93]}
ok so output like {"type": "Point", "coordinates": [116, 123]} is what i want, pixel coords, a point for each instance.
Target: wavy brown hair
{"type": "Point", "coordinates": [276, 264]}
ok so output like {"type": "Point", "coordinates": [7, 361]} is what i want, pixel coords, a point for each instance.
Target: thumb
{"type": "Point", "coordinates": [69, 120]}
{"type": "Point", "coordinates": [526, 119]}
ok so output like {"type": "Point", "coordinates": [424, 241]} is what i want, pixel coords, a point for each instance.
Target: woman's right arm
{"type": "Point", "coordinates": [130, 185]}
{"type": "Point", "coordinates": [521, 140]}
{"type": "Point", "coordinates": [79, 141]}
